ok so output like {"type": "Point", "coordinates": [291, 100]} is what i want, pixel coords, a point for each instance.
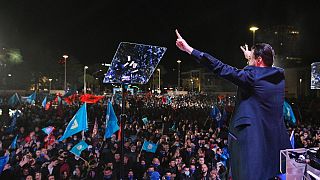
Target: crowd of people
{"type": "Point", "coordinates": [190, 144]}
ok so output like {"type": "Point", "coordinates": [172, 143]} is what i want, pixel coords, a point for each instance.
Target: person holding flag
{"type": "Point", "coordinates": [50, 138]}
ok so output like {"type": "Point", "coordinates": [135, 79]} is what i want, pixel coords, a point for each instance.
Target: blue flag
{"type": "Point", "coordinates": [292, 140]}
{"type": "Point", "coordinates": [78, 123]}
{"type": "Point", "coordinates": [14, 114]}
{"type": "Point", "coordinates": [48, 130]}
{"type": "Point", "coordinates": [111, 122]}
{"type": "Point", "coordinates": [78, 148]}
{"type": "Point", "coordinates": [288, 113]}
{"type": "Point", "coordinates": [30, 99]}
{"type": "Point", "coordinates": [215, 113]}
{"type": "Point", "coordinates": [14, 100]}
{"type": "Point", "coordinates": [3, 161]}
{"type": "Point", "coordinates": [169, 100]}
{"type": "Point", "coordinates": [44, 102]}
{"type": "Point", "coordinates": [14, 143]}
{"type": "Point", "coordinates": [173, 127]}
{"type": "Point", "coordinates": [149, 146]}
{"type": "Point", "coordinates": [145, 120]}
{"type": "Point", "coordinates": [222, 119]}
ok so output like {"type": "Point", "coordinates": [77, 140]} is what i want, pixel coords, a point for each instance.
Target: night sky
{"type": "Point", "coordinates": [90, 31]}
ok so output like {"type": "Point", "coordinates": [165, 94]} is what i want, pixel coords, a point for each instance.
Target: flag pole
{"type": "Point", "coordinates": [122, 122]}
{"type": "Point", "coordinates": [83, 138]}
{"type": "Point", "coordinates": [83, 159]}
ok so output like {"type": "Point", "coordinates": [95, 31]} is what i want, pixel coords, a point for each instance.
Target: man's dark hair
{"type": "Point", "coordinates": [265, 51]}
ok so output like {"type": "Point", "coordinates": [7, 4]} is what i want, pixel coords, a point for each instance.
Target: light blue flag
{"type": "Point", "coordinates": [59, 99]}
{"type": "Point", "coordinates": [30, 99]}
{"type": "Point", "coordinates": [3, 161]}
{"type": "Point", "coordinates": [169, 100]}
{"type": "Point", "coordinates": [173, 127]}
{"type": "Point", "coordinates": [145, 120]}
{"type": "Point", "coordinates": [48, 130]}
{"type": "Point", "coordinates": [78, 123]}
{"type": "Point", "coordinates": [149, 146]}
{"type": "Point", "coordinates": [44, 102]}
{"type": "Point", "coordinates": [14, 143]}
{"type": "Point", "coordinates": [292, 140]}
{"type": "Point", "coordinates": [14, 100]}
{"type": "Point", "coordinates": [78, 148]}
{"type": "Point", "coordinates": [111, 122]}
{"type": "Point", "coordinates": [288, 113]}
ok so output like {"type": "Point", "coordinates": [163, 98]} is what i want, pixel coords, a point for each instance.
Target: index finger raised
{"type": "Point", "coordinates": [178, 35]}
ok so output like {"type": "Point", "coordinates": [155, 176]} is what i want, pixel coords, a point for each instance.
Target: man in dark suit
{"type": "Point", "coordinates": [257, 130]}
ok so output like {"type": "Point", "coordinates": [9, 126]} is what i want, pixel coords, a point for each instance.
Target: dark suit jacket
{"type": "Point", "coordinates": [257, 123]}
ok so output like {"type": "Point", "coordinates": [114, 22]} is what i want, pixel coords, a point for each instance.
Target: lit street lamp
{"type": "Point", "coordinates": [199, 83]}
{"type": "Point", "coordinates": [65, 72]}
{"type": "Point", "coordinates": [50, 85]}
{"type": "Point", "coordinates": [191, 85]}
{"type": "Point", "coordinates": [8, 80]}
{"type": "Point", "coordinates": [84, 80]}
{"type": "Point", "coordinates": [300, 81]}
{"type": "Point", "coordinates": [178, 74]}
{"type": "Point", "coordinates": [253, 29]}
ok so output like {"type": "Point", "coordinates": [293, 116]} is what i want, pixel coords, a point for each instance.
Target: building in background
{"type": "Point", "coordinates": [204, 81]}
{"type": "Point", "coordinates": [286, 41]}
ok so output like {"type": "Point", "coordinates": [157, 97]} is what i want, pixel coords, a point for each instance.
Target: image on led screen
{"type": "Point", "coordinates": [133, 63]}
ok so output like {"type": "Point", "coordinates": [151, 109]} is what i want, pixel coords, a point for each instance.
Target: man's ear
{"type": "Point", "coordinates": [259, 60]}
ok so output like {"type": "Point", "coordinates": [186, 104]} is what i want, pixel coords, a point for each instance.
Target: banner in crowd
{"type": "Point", "coordinates": [89, 98]}
{"type": "Point", "coordinates": [70, 99]}
{"type": "Point", "coordinates": [78, 123]}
